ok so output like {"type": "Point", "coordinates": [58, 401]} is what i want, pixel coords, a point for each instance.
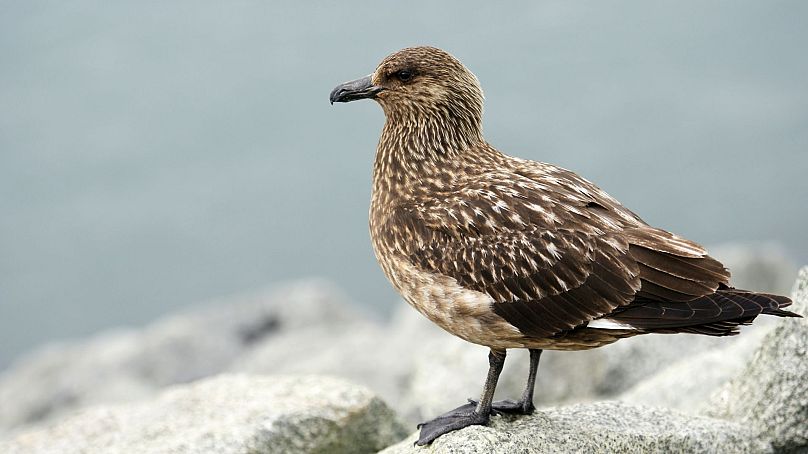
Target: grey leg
{"type": "Point", "coordinates": [525, 405]}
{"type": "Point", "coordinates": [469, 414]}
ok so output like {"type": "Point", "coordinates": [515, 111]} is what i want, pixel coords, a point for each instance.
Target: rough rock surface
{"type": "Point", "coordinates": [706, 371]}
{"type": "Point", "coordinates": [228, 414]}
{"type": "Point", "coordinates": [630, 361]}
{"type": "Point", "coordinates": [131, 364]}
{"type": "Point", "coordinates": [371, 354]}
{"type": "Point", "coordinates": [770, 396]}
{"type": "Point", "coordinates": [604, 427]}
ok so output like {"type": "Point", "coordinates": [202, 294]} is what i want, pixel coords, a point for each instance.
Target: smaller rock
{"type": "Point", "coordinates": [688, 383]}
{"type": "Point", "coordinates": [228, 414]}
{"type": "Point", "coordinates": [128, 364]}
{"type": "Point", "coordinates": [770, 397]}
{"type": "Point", "coordinates": [604, 427]}
{"type": "Point", "coordinates": [630, 361]}
{"type": "Point", "coordinates": [352, 351]}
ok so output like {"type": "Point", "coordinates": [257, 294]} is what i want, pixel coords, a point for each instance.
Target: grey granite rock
{"type": "Point", "coordinates": [123, 365]}
{"type": "Point", "coordinates": [358, 354]}
{"type": "Point", "coordinates": [770, 396]}
{"type": "Point", "coordinates": [228, 414]}
{"type": "Point", "coordinates": [604, 427]}
{"type": "Point", "coordinates": [630, 361]}
{"type": "Point", "coordinates": [703, 372]}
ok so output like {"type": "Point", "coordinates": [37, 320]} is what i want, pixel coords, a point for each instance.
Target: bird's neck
{"type": "Point", "coordinates": [422, 155]}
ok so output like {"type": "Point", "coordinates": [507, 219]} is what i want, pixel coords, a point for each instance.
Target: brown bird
{"type": "Point", "coordinates": [510, 253]}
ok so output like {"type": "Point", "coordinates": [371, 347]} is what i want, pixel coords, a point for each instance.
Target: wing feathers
{"type": "Point", "coordinates": [702, 269]}
{"type": "Point", "coordinates": [677, 284]}
{"type": "Point", "coordinates": [660, 240]}
{"type": "Point", "coordinates": [651, 292]}
{"type": "Point", "coordinates": [716, 314]}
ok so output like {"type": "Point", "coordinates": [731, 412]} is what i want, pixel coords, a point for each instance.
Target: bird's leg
{"type": "Point", "coordinates": [525, 405]}
{"type": "Point", "coordinates": [469, 414]}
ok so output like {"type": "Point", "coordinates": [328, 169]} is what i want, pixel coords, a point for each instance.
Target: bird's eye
{"type": "Point", "coordinates": [404, 75]}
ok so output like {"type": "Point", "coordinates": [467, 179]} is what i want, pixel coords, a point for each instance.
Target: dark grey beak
{"type": "Point", "coordinates": [356, 89]}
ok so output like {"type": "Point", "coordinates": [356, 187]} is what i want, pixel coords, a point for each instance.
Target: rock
{"type": "Point", "coordinates": [770, 397]}
{"type": "Point", "coordinates": [603, 427]}
{"type": "Point", "coordinates": [130, 364]}
{"type": "Point", "coordinates": [228, 414]}
{"type": "Point", "coordinates": [630, 361]}
{"type": "Point", "coordinates": [705, 371]}
{"type": "Point", "coordinates": [357, 354]}
{"type": "Point", "coordinates": [371, 354]}
{"type": "Point", "coordinates": [305, 327]}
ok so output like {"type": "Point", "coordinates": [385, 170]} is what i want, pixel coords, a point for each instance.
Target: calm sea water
{"type": "Point", "coordinates": [154, 155]}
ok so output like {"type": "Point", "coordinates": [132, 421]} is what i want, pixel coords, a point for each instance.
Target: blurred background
{"type": "Point", "coordinates": [154, 155]}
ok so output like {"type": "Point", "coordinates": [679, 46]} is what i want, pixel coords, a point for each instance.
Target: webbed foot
{"type": "Point", "coordinates": [460, 417]}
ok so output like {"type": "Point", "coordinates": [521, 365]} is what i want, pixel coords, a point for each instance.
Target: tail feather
{"type": "Point", "coordinates": [717, 314]}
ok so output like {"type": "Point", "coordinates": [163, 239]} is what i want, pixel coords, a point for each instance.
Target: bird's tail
{"type": "Point", "coordinates": [717, 314]}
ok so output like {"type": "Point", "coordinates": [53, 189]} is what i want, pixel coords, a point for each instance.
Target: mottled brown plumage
{"type": "Point", "coordinates": [510, 253]}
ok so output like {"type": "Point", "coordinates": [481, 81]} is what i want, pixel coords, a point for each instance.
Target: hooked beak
{"type": "Point", "coordinates": [356, 89]}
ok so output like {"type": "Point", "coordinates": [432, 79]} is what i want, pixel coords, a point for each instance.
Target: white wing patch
{"type": "Point", "coordinates": [605, 323]}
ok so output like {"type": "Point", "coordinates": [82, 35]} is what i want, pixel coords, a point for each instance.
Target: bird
{"type": "Point", "coordinates": [511, 253]}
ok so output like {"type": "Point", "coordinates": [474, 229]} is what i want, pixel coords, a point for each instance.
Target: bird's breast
{"type": "Point", "coordinates": [463, 312]}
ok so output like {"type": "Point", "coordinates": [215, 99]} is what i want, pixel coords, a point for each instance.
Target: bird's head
{"type": "Point", "coordinates": [416, 83]}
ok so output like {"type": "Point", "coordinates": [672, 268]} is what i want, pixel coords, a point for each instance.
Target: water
{"type": "Point", "coordinates": [156, 155]}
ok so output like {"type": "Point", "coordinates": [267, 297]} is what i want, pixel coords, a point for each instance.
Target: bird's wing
{"type": "Point", "coordinates": [553, 254]}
